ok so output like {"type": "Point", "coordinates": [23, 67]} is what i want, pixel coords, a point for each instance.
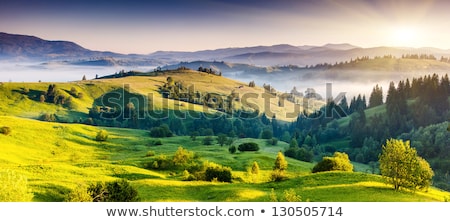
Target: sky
{"type": "Point", "coordinates": [142, 27]}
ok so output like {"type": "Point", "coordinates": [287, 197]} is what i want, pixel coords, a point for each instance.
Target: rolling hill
{"type": "Point", "coordinates": [67, 155]}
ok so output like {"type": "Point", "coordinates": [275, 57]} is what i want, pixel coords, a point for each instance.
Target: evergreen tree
{"type": "Point", "coordinates": [376, 97]}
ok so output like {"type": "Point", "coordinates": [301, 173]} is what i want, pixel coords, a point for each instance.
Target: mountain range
{"type": "Point", "coordinates": [30, 48]}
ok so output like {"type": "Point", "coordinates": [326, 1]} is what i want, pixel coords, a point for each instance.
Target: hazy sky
{"type": "Point", "coordinates": [127, 26]}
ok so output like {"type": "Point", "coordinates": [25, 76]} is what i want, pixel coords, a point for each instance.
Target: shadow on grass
{"type": "Point", "coordinates": [50, 193]}
{"type": "Point", "coordinates": [135, 176]}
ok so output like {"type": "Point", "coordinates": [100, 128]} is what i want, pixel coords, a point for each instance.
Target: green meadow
{"type": "Point", "coordinates": [58, 157]}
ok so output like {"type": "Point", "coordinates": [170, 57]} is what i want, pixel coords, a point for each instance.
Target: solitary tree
{"type": "Point", "coordinates": [280, 162]}
{"type": "Point", "coordinates": [279, 169]}
{"type": "Point", "coordinates": [402, 167]}
{"type": "Point", "coordinates": [222, 139]}
{"type": "Point", "coordinates": [255, 168]}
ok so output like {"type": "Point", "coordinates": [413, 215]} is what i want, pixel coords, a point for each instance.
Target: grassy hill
{"type": "Point", "coordinates": [26, 104]}
{"type": "Point", "coordinates": [67, 155]}
{"type": "Point", "coordinates": [58, 157]}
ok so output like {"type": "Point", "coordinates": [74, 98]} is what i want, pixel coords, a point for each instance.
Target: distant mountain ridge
{"type": "Point", "coordinates": [31, 47]}
{"type": "Point", "coordinates": [23, 47]}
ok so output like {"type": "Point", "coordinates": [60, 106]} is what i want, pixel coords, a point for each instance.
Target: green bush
{"type": "Point", "coordinates": [220, 173]}
{"type": "Point", "coordinates": [339, 162]}
{"type": "Point", "coordinates": [79, 194]}
{"type": "Point", "coordinates": [208, 140]}
{"type": "Point", "coordinates": [161, 131]}
{"type": "Point", "coordinates": [14, 187]}
{"type": "Point", "coordinates": [232, 149]}
{"type": "Point", "coordinates": [150, 153]}
{"type": "Point", "coordinates": [48, 117]}
{"type": "Point", "coordinates": [5, 130]}
{"type": "Point", "coordinates": [116, 191]}
{"type": "Point", "coordinates": [102, 135]}
{"type": "Point", "coordinates": [251, 146]}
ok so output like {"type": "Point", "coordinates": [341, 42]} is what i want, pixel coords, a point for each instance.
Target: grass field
{"type": "Point", "coordinates": [58, 157]}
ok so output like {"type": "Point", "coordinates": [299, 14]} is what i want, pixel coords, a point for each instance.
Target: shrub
{"type": "Point", "coordinates": [150, 153]}
{"type": "Point", "coordinates": [161, 131]}
{"type": "Point", "coordinates": [277, 175]}
{"type": "Point", "coordinates": [161, 162]}
{"type": "Point", "coordinates": [157, 142]}
{"type": "Point", "coordinates": [5, 130]}
{"type": "Point", "coordinates": [48, 117]}
{"type": "Point", "coordinates": [116, 191]}
{"type": "Point", "coordinates": [339, 162]}
{"type": "Point", "coordinates": [251, 146]}
{"type": "Point", "coordinates": [14, 187]}
{"type": "Point", "coordinates": [102, 135]}
{"type": "Point", "coordinates": [273, 141]}
{"type": "Point", "coordinates": [79, 194]}
{"type": "Point", "coordinates": [182, 157]}
{"type": "Point", "coordinates": [232, 149]}
{"type": "Point", "coordinates": [220, 173]}
{"type": "Point", "coordinates": [210, 171]}
{"type": "Point", "coordinates": [208, 140]}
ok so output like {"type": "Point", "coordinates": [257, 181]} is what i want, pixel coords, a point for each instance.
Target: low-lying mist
{"type": "Point", "coordinates": [350, 82]}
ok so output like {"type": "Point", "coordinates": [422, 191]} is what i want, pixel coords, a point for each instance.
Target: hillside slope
{"type": "Point", "coordinates": [73, 158]}
{"type": "Point", "coordinates": [22, 99]}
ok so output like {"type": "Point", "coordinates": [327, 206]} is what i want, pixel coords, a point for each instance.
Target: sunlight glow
{"type": "Point", "coordinates": [405, 36]}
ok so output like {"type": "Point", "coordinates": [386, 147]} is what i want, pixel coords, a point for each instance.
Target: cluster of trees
{"type": "Point", "coordinates": [414, 109]}
{"type": "Point", "coordinates": [209, 71]}
{"type": "Point", "coordinates": [419, 56]}
{"type": "Point", "coordinates": [192, 167]}
{"type": "Point", "coordinates": [113, 191]}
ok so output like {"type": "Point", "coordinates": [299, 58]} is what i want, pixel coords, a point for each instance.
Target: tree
{"type": "Point", "coordinates": [376, 97]}
{"type": "Point", "coordinates": [402, 167]}
{"type": "Point", "coordinates": [293, 143]}
{"type": "Point", "coordinates": [280, 162]}
{"type": "Point", "coordinates": [255, 168]}
{"type": "Point", "coordinates": [207, 140]}
{"type": "Point", "coordinates": [222, 138]}
{"type": "Point", "coordinates": [14, 187]}
{"type": "Point", "coordinates": [266, 134]}
{"type": "Point", "coordinates": [182, 157]}
{"type": "Point", "coordinates": [279, 168]}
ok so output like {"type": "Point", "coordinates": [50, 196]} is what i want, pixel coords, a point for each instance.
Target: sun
{"type": "Point", "coordinates": [405, 36]}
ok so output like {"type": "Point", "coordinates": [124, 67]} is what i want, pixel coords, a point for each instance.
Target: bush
{"type": "Point", "coordinates": [5, 130]}
{"type": "Point", "coordinates": [102, 135]}
{"type": "Point", "coordinates": [273, 141]}
{"type": "Point", "coordinates": [251, 146]}
{"type": "Point", "coordinates": [79, 194]}
{"type": "Point", "coordinates": [14, 187]}
{"type": "Point", "coordinates": [161, 162]}
{"type": "Point", "coordinates": [208, 140]}
{"type": "Point", "coordinates": [277, 175]}
{"type": "Point", "coordinates": [339, 162]}
{"type": "Point", "coordinates": [218, 172]}
{"type": "Point", "coordinates": [48, 117]}
{"type": "Point", "coordinates": [150, 153]}
{"type": "Point", "coordinates": [182, 157]}
{"type": "Point", "coordinates": [116, 191]}
{"type": "Point", "coordinates": [232, 149]}
{"type": "Point", "coordinates": [161, 131]}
